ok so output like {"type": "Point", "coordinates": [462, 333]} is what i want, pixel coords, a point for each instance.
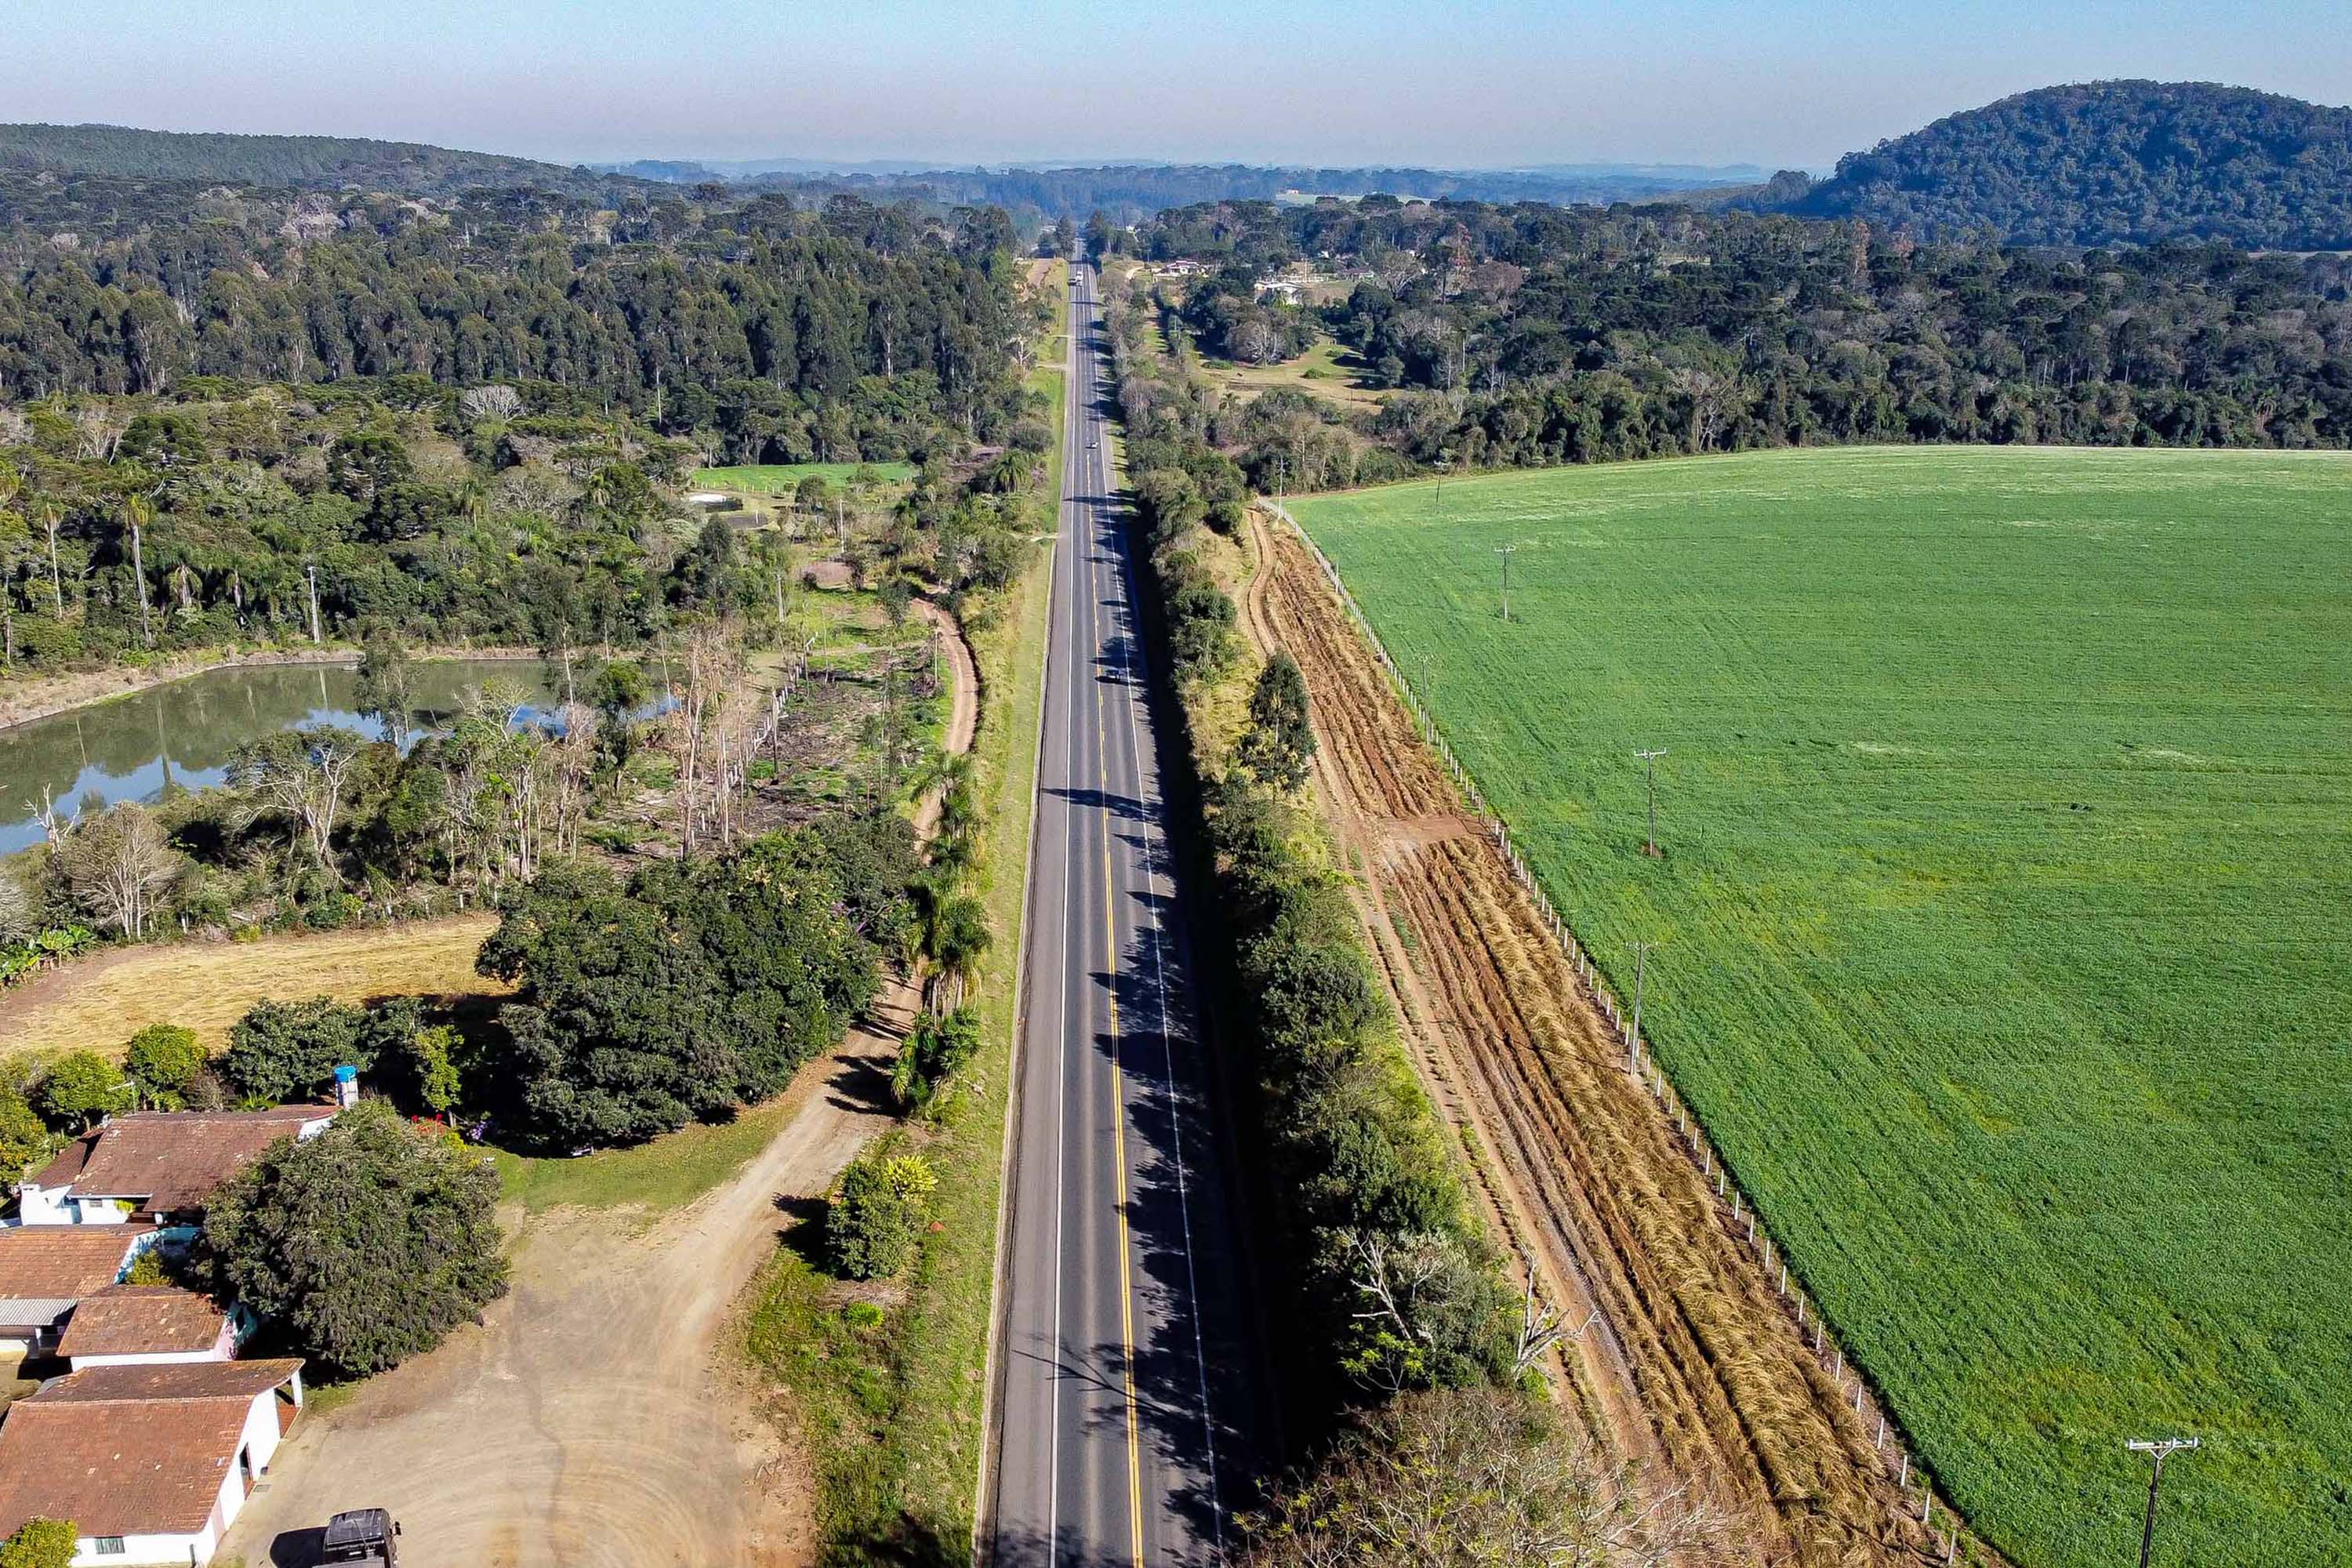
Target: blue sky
{"type": "Point", "coordinates": [1332, 81]}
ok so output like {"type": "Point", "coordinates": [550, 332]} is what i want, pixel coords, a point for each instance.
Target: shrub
{"type": "Point", "coordinates": [162, 1060]}
{"type": "Point", "coordinates": [79, 1088]}
{"type": "Point", "coordinates": [282, 1051]}
{"type": "Point", "coordinates": [877, 1215]}
{"type": "Point", "coordinates": [40, 1544]}
{"type": "Point", "coordinates": [934, 1051]}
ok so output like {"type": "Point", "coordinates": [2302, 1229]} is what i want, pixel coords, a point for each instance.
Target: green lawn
{"type": "Point", "coordinates": [2005, 922]}
{"type": "Point", "coordinates": [656, 1176]}
{"type": "Point", "coordinates": [780, 478]}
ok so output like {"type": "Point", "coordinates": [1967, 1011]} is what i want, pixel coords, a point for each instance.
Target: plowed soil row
{"type": "Point", "coordinates": [1691, 1361]}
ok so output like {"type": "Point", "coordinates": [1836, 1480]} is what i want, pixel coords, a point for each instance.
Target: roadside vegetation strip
{"type": "Point", "coordinates": [1980, 858]}
{"type": "Point", "coordinates": [886, 1381]}
{"type": "Point", "coordinates": [1693, 1363]}
{"type": "Point", "coordinates": [1392, 1281]}
{"type": "Point", "coordinates": [102, 1000]}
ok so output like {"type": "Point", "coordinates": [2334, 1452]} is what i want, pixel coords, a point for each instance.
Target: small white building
{"type": "Point", "coordinates": [148, 1325]}
{"type": "Point", "coordinates": [152, 1463]}
{"type": "Point", "coordinates": [47, 1270]}
{"type": "Point", "coordinates": [158, 1165]}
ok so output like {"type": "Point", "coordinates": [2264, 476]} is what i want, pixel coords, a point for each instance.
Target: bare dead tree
{"type": "Point", "coordinates": [116, 863]}
{"type": "Point", "coordinates": [482, 404]}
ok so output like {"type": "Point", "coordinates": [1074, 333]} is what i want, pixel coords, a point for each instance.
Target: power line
{"type": "Point", "coordinates": [1505, 552]}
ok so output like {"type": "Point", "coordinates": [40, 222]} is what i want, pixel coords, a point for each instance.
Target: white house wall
{"type": "Point", "coordinates": [148, 1550]}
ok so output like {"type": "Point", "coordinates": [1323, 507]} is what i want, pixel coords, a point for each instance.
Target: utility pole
{"type": "Point", "coordinates": [1650, 759]}
{"type": "Point", "coordinates": [310, 574]}
{"type": "Point", "coordinates": [2162, 1448]}
{"type": "Point", "coordinates": [1505, 552]}
{"type": "Point", "coordinates": [1633, 1038]}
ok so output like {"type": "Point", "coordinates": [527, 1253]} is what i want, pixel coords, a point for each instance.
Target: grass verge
{"type": "Point", "coordinates": [887, 1388]}
{"type": "Point", "coordinates": [654, 1178]}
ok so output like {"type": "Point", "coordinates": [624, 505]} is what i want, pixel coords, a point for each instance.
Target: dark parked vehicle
{"type": "Point", "coordinates": [362, 1535]}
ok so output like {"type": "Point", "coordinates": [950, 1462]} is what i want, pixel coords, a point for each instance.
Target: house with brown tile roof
{"type": "Point", "coordinates": [47, 1270]}
{"type": "Point", "coordinates": [125, 1325]}
{"type": "Point", "coordinates": [158, 1165]}
{"type": "Point", "coordinates": [152, 1463]}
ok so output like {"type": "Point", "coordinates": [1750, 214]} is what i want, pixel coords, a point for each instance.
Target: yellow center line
{"type": "Point", "coordinates": [1119, 1140]}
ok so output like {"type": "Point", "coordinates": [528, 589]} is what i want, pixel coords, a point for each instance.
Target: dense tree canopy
{"type": "Point", "coordinates": [754, 316]}
{"type": "Point", "coordinates": [700, 985]}
{"type": "Point", "coordinates": [1528, 335]}
{"type": "Point", "coordinates": [2113, 162]}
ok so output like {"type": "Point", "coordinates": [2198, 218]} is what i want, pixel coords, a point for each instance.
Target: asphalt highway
{"type": "Point", "coordinates": [1128, 1365]}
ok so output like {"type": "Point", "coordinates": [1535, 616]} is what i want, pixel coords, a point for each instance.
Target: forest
{"type": "Point", "coordinates": [460, 423]}
{"type": "Point", "coordinates": [1528, 335]}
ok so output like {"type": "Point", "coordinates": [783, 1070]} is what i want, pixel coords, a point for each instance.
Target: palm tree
{"type": "Point", "coordinates": [955, 938]}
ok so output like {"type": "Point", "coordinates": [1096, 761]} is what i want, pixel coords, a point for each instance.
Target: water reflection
{"type": "Point", "coordinates": [179, 736]}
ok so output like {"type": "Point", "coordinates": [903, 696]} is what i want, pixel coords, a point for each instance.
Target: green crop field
{"type": "Point", "coordinates": [2004, 925]}
{"type": "Point", "coordinates": [780, 478]}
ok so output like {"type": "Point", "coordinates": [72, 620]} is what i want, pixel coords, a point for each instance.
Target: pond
{"type": "Point", "coordinates": [180, 735]}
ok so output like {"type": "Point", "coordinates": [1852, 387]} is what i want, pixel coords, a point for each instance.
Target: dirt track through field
{"type": "Point", "coordinates": [595, 1419]}
{"type": "Point", "coordinates": [1692, 1363]}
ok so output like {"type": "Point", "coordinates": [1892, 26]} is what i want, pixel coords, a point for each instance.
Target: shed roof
{"type": "Point", "coordinates": [64, 1262]}
{"type": "Point", "coordinates": [142, 1454]}
{"type": "Point", "coordinates": [131, 1320]}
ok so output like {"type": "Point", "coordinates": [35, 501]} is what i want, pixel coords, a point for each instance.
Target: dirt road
{"type": "Point", "coordinates": [595, 1419]}
{"type": "Point", "coordinates": [1691, 1361]}
{"type": "Point", "coordinates": [591, 1422]}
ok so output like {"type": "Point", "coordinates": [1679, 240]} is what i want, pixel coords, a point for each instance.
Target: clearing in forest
{"type": "Point", "coordinates": [2001, 923]}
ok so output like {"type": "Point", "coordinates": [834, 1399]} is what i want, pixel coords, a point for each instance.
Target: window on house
{"type": "Point", "coordinates": [108, 1546]}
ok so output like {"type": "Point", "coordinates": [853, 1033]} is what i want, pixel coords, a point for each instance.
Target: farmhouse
{"type": "Point", "coordinates": [134, 1325]}
{"type": "Point", "coordinates": [157, 1165]}
{"type": "Point", "coordinates": [47, 1270]}
{"type": "Point", "coordinates": [152, 1463]}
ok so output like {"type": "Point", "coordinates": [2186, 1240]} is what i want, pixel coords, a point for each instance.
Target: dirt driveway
{"type": "Point", "coordinates": [596, 1419]}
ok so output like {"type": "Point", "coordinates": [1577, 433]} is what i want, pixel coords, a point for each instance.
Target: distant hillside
{"type": "Point", "coordinates": [310, 161]}
{"type": "Point", "coordinates": [1130, 193]}
{"type": "Point", "coordinates": [2112, 162]}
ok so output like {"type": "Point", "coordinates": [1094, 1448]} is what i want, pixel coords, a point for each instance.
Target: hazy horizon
{"type": "Point", "coordinates": [1509, 84]}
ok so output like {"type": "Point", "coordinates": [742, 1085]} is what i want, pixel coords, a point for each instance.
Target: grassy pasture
{"type": "Point", "coordinates": [2005, 921]}
{"type": "Point", "coordinates": [781, 478]}
{"type": "Point", "coordinates": [1325, 371]}
{"type": "Point", "coordinates": [100, 1002]}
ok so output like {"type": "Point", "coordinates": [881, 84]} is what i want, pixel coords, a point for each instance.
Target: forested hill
{"type": "Point", "coordinates": [301, 162]}
{"type": "Point", "coordinates": [2112, 162]}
